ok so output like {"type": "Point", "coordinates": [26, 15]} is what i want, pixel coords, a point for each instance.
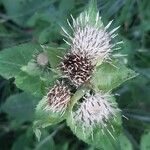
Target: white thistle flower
{"type": "Point", "coordinates": [96, 110]}
{"type": "Point", "coordinates": [58, 99]}
{"type": "Point", "coordinates": [42, 59]}
{"type": "Point", "coordinates": [91, 38]}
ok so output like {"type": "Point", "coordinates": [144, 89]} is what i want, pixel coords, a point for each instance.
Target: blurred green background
{"type": "Point", "coordinates": [39, 21]}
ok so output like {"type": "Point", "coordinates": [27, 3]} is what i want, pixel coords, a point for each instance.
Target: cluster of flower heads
{"type": "Point", "coordinates": [88, 44]}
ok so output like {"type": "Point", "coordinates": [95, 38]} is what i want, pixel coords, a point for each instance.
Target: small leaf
{"type": "Point", "coordinates": [20, 107]}
{"type": "Point", "coordinates": [145, 144]}
{"type": "Point", "coordinates": [37, 133]}
{"type": "Point", "coordinates": [77, 96]}
{"type": "Point", "coordinates": [107, 77]}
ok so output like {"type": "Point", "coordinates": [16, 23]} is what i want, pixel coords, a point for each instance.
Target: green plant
{"type": "Point", "coordinates": [90, 69]}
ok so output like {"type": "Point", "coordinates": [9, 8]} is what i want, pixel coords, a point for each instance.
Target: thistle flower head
{"type": "Point", "coordinates": [95, 110]}
{"type": "Point", "coordinates": [40, 62]}
{"type": "Point", "coordinates": [58, 98]}
{"type": "Point", "coordinates": [77, 67]}
{"type": "Point", "coordinates": [90, 37]}
{"type": "Point", "coordinates": [42, 59]}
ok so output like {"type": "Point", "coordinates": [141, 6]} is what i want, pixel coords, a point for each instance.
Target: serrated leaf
{"type": "Point", "coordinates": [145, 144]}
{"type": "Point", "coordinates": [32, 69]}
{"type": "Point", "coordinates": [20, 107]}
{"type": "Point", "coordinates": [45, 74]}
{"type": "Point", "coordinates": [107, 77]}
{"type": "Point", "coordinates": [12, 59]}
{"type": "Point", "coordinates": [98, 138]}
{"type": "Point", "coordinates": [45, 117]}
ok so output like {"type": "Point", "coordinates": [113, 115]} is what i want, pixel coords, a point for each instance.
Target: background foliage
{"type": "Point", "coordinates": [39, 21]}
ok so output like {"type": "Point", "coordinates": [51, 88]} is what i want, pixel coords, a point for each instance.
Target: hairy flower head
{"type": "Point", "coordinates": [78, 68]}
{"type": "Point", "coordinates": [95, 110]}
{"type": "Point", "coordinates": [90, 37]}
{"type": "Point", "coordinates": [39, 62]}
{"type": "Point", "coordinates": [42, 59]}
{"type": "Point", "coordinates": [58, 98]}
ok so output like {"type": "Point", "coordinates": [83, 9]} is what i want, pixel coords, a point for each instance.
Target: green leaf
{"type": "Point", "coordinates": [45, 74]}
{"type": "Point", "coordinates": [63, 8]}
{"type": "Point", "coordinates": [55, 55]}
{"type": "Point", "coordinates": [98, 139]}
{"type": "Point", "coordinates": [63, 145]}
{"type": "Point", "coordinates": [44, 117]}
{"type": "Point", "coordinates": [107, 77]}
{"type": "Point", "coordinates": [24, 141]}
{"type": "Point", "coordinates": [145, 144]}
{"type": "Point", "coordinates": [32, 69]}
{"type": "Point", "coordinates": [124, 142]}
{"type": "Point", "coordinates": [91, 10]}
{"type": "Point", "coordinates": [12, 59]}
{"type": "Point", "coordinates": [46, 142]}
{"type": "Point", "coordinates": [20, 10]}
{"type": "Point", "coordinates": [77, 96]}
{"type": "Point", "coordinates": [31, 84]}
{"type": "Point", "coordinates": [20, 107]}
